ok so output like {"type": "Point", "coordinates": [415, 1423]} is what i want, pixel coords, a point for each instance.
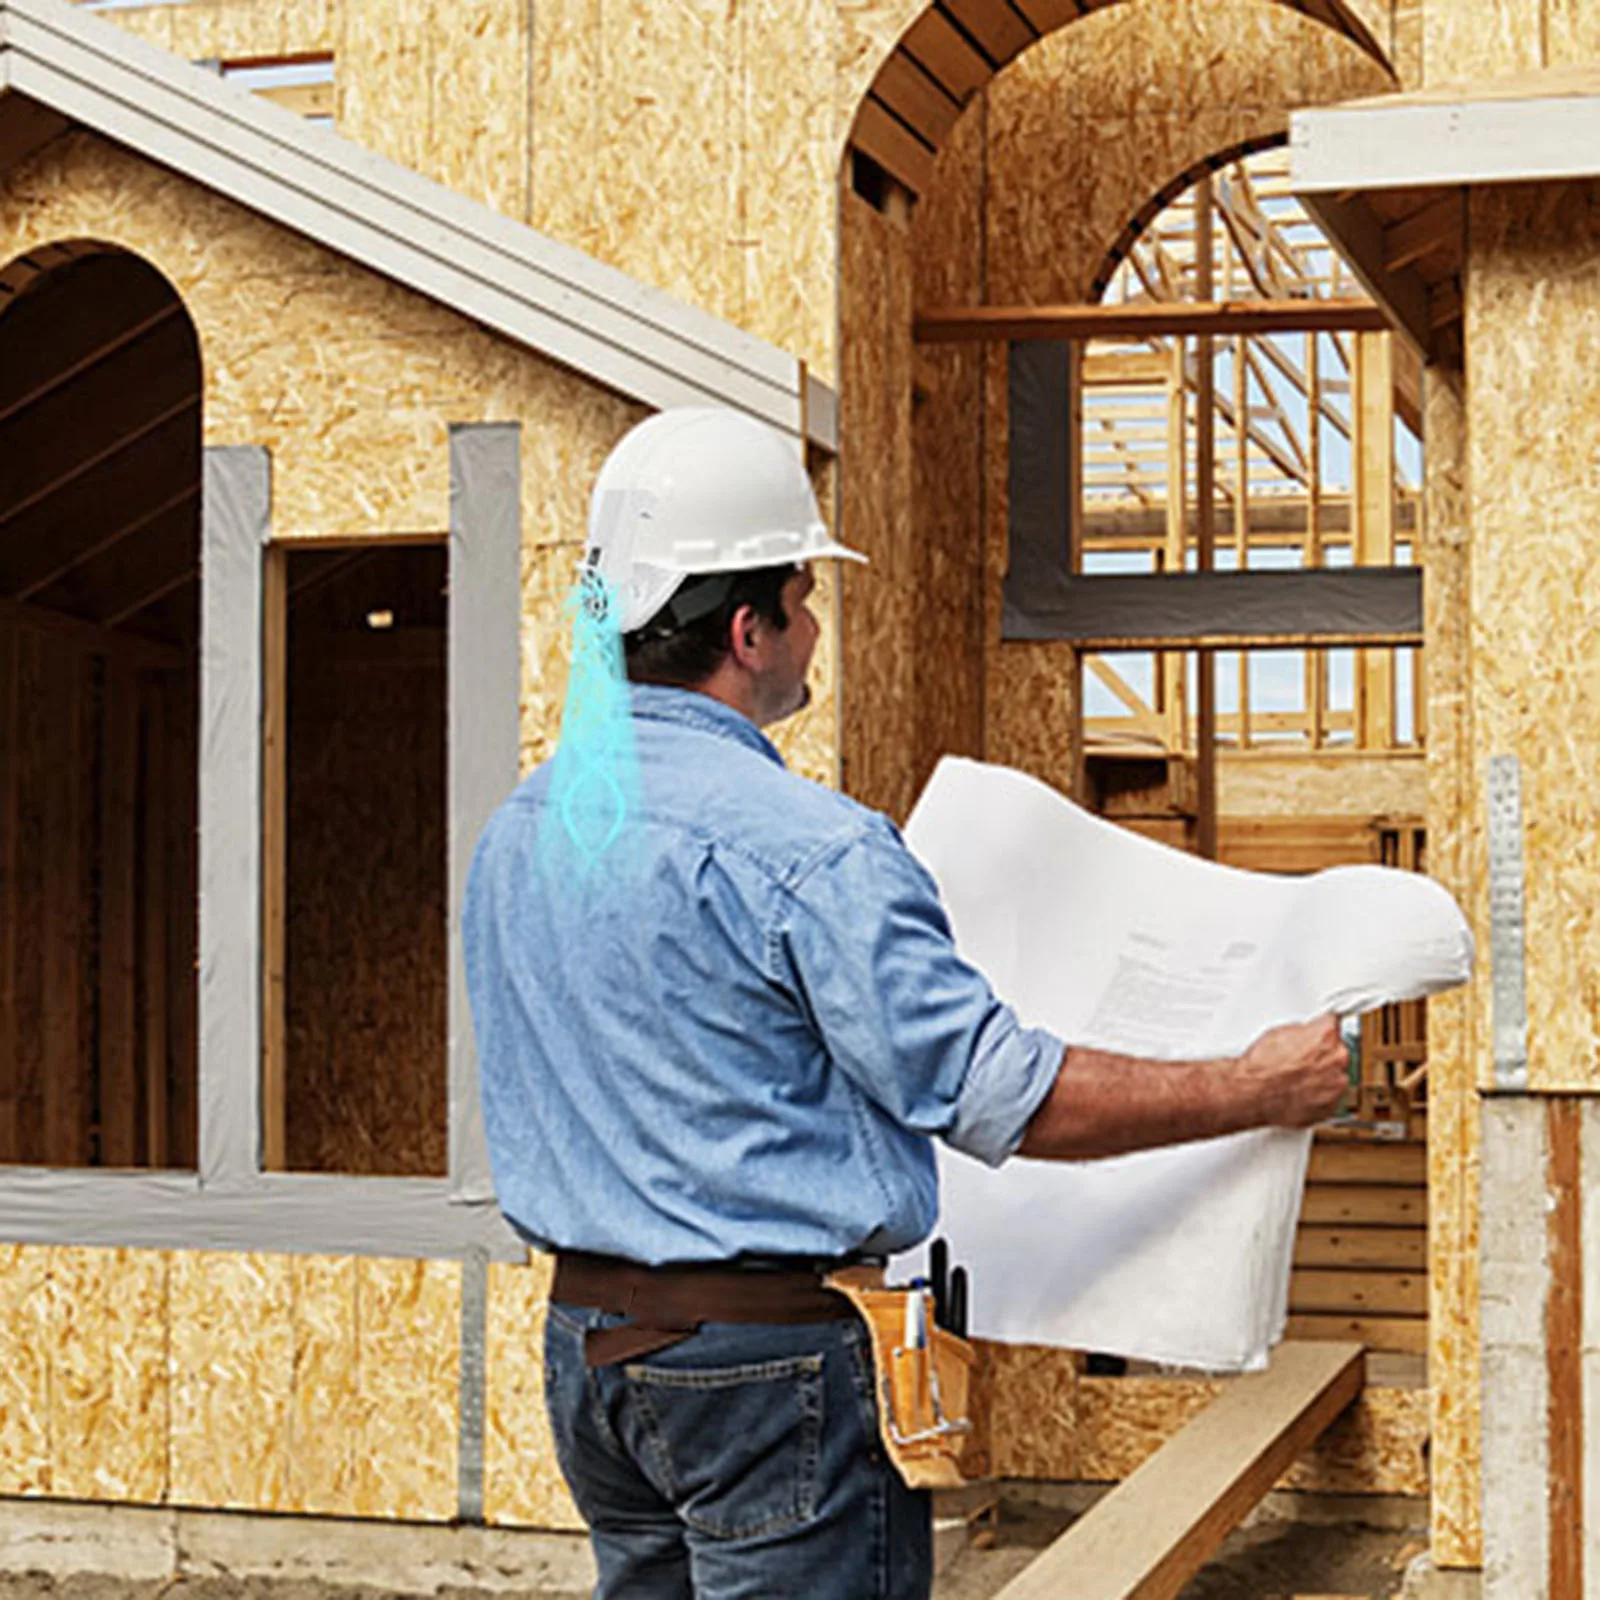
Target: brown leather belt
{"type": "Point", "coordinates": [668, 1304]}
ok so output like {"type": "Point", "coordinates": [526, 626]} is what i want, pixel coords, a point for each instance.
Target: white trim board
{"type": "Point", "coordinates": [1407, 144]}
{"type": "Point", "coordinates": [522, 284]}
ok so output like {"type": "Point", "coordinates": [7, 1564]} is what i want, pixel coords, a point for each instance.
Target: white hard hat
{"type": "Point", "coordinates": [700, 490]}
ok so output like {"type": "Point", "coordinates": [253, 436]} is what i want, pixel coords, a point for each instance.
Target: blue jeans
{"type": "Point", "coordinates": [742, 1464]}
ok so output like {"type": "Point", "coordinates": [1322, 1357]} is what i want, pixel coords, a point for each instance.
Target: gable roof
{"type": "Point", "coordinates": [60, 66]}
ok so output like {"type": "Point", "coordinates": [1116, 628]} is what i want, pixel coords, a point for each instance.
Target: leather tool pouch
{"type": "Point", "coordinates": [925, 1394]}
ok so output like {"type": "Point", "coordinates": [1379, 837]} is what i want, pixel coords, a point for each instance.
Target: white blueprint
{"type": "Point", "coordinates": [1180, 1255]}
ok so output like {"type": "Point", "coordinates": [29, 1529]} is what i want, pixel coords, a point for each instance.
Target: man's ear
{"type": "Point", "coordinates": [742, 639]}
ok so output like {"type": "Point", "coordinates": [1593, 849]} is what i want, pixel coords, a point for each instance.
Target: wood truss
{"type": "Point", "coordinates": [1298, 439]}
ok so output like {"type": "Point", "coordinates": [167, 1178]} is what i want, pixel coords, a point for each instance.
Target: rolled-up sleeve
{"type": "Point", "coordinates": [867, 947]}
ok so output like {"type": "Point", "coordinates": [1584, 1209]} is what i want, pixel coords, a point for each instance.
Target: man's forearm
{"type": "Point", "coordinates": [1105, 1105]}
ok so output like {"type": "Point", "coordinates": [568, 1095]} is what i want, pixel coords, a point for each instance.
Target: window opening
{"type": "Point", "coordinates": [355, 942]}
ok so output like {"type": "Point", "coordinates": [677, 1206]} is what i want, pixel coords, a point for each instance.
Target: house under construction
{"type": "Point", "coordinates": [1209, 384]}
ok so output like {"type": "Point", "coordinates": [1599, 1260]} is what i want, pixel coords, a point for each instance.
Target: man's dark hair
{"type": "Point", "coordinates": [682, 654]}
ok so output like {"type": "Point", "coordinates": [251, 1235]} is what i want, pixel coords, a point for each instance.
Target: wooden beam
{"type": "Point", "coordinates": [104, 352]}
{"type": "Point", "coordinates": [25, 128]}
{"type": "Point", "coordinates": [91, 636]}
{"type": "Point", "coordinates": [1435, 226]}
{"type": "Point", "coordinates": [1153, 1532]}
{"type": "Point", "coordinates": [938, 46]}
{"type": "Point", "coordinates": [920, 101]}
{"type": "Point", "coordinates": [118, 852]}
{"type": "Point", "coordinates": [187, 405]}
{"type": "Point", "coordinates": [274, 856]}
{"type": "Point", "coordinates": [1358, 237]}
{"type": "Point", "coordinates": [1205, 489]}
{"type": "Point", "coordinates": [1564, 1345]}
{"type": "Point", "coordinates": [1372, 495]}
{"type": "Point", "coordinates": [122, 531]}
{"type": "Point", "coordinates": [1217, 318]}
{"type": "Point", "coordinates": [881, 135]}
{"type": "Point", "coordinates": [153, 890]}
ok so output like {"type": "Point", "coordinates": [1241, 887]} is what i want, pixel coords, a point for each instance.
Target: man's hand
{"type": "Point", "coordinates": [1103, 1105]}
{"type": "Point", "coordinates": [1300, 1072]}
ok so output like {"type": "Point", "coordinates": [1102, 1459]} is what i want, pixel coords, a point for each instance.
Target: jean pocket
{"type": "Point", "coordinates": [737, 1448]}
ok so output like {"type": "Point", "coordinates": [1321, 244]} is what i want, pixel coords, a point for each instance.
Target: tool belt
{"type": "Point", "coordinates": [924, 1385]}
{"type": "Point", "coordinates": [666, 1305]}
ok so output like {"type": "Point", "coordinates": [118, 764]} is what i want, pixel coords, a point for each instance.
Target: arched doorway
{"type": "Point", "coordinates": [954, 49]}
{"type": "Point", "coordinates": [100, 397]}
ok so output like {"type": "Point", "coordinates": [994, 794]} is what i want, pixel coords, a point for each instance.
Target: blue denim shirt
{"type": "Point", "coordinates": [742, 1031]}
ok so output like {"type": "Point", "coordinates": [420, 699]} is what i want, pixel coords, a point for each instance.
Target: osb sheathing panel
{"type": "Point", "coordinates": [1533, 286]}
{"type": "Point", "coordinates": [522, 1482]}
{"type": "Point", "coordinates": [25, 1344]}
{"type": "Point", "coordinates": [350, 381]}
{"type": "Point", "coordinates": [1455, 858]}
{"type": "Point", "coordinates": [880, 604]}
{"type": "Point", "coordinates": [314, 1385]}
{"type": "Point", "coordinates": [704, 134]}
{"type": "Point", "coordinates": [108, 1374]}
{"type": "Point", "coordinates": [224, 30]}
{"type": "Point", "coordinates": [1251, 785]}
{"type": "Point", "coordinates": [1377, 1447]}
{"type": "Point", "coordinates": [1480, 38]}
{"type": "Point", "coordinates": [232, 1380]}
{"type": "Point", "coordinates": [409, 1355]}
{"type": "Point", "coordinates": [947, 443]}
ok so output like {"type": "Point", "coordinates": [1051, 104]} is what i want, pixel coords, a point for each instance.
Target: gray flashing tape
{"type": "Point", "coordinates": [1381, 603]}
{"type": "Point", "coordinates": [235, 522]}
{"type": "Point", "coordinates": [291, 1213]}
{"type": "Point", "coordinates": [471, 1405]}
{"type": "Point", "coordinates": [485, 673]}
{"type": "Point", "coordinates": [1507, 924]}
{"type": "Point", "coordinates": [1039, 490]}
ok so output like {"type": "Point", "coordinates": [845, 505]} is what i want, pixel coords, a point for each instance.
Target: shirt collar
{"type": "Point", "coordinates": [688, 708]}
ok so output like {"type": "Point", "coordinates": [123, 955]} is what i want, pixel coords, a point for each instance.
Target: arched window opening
{"type": "Point", "coordinates": [100, 396]}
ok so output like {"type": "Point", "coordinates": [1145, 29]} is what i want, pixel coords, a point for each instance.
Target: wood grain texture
{"type": "Point", "coordinates": [1150, 1535]}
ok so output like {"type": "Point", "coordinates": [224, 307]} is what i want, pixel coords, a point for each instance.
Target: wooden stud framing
{"type": "Point", "coordinates": [1205, 317]}
{"type": "Point", "coordinates": [274, 853]}
{"type": "Point", "coordinates": [1205, 487]}
{"type": "Point", "coordinates": [1564, 1345]}
{"type": "Point", "coordinates": [1372, 488]}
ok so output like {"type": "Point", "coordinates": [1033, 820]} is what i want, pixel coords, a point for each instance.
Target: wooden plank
{"type": "Point", "coordinates": [274, 856]}
{"type": "Point", "coordinates": [303, 99]}
{"type": "Point", "coordinates": [1219, 319]}
{"type": "Point", "coordinates": [66, 1122]}
{"type": "Point", "coordinates": [117, 1041]}
{"type": "Point", "coordinates": [1152, 1533]}
{"type": "Point", "coordinates": [881, 135]}
{"type": "Point", "coordinates": [153, 1007]}
{"type": "Point", "coordinates": [1205, 492]}
{"type": "Point", "coordinates": [1408, 1335]}
{"type": "Point", "coordinates": [1048, 15]}
{"type": "Point", "coordinates": [940, 47]}
{"type": "Point", "coordinates": [1372, 465]}
{"type": "Point", "coordinates": [1000, 32]}
{"type": "Point", "coordinates": [1436, 225]}
{"type": "Point", "coordinates": [1363, 1162]}
{"type": "Point", "coordinates": [1368, 1292]}
{"type": "Point", "coordinates": [182, 915]}
{"type": "Point", "coordinates": [10, 907]}
{"type": "Point", "coordinates": [1563, 1325]}
{"type": "Point", "coordinates": [1399, 1249]}
{"type": "Point", "coordinates": [917, 99]}
{"type": "Point", "coordinates": [1358, 1205]}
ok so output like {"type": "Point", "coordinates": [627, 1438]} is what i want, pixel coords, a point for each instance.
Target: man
{"type": "Point", "coordinates": [716, 1048]}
